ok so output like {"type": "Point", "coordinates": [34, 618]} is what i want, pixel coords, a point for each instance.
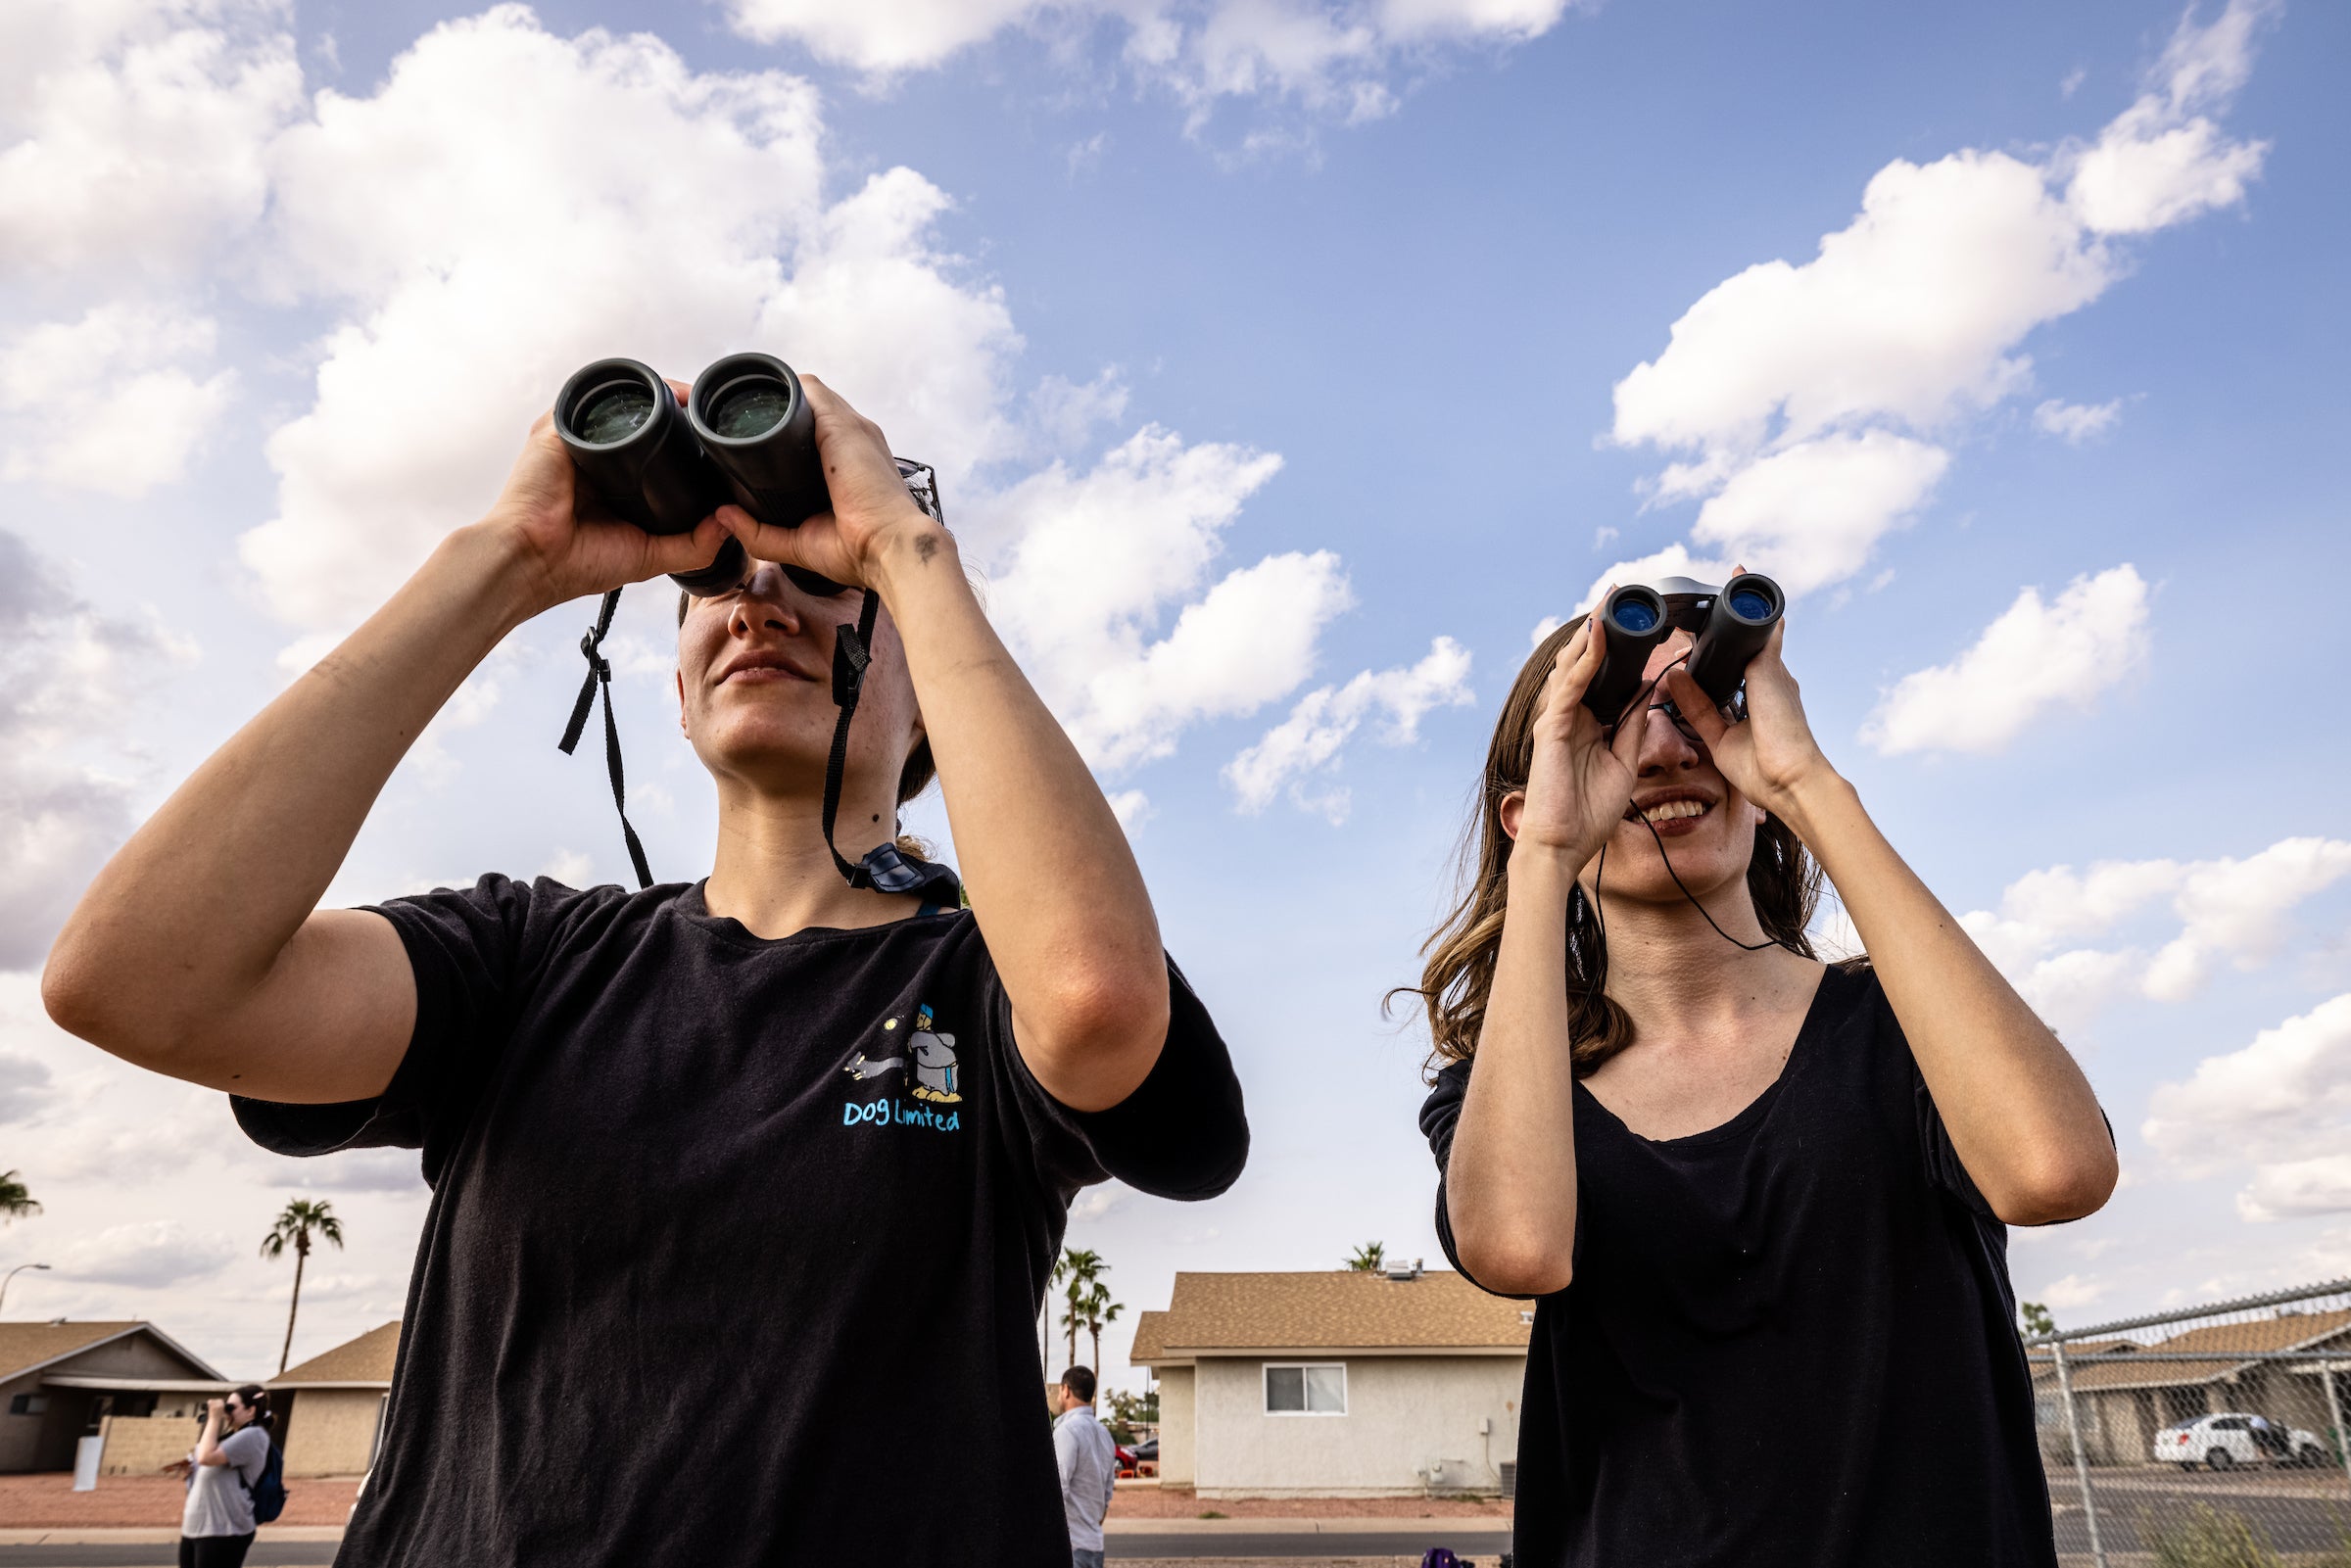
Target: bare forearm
{"type": "Point", "coordinates": [191, 914]}
{"type": "Point", "coordinates": [1510, 1180]}
{"type": "Point", "coordinates": [2020, 1112]}
{"type": "Point", "coordinates": [1052, 880]}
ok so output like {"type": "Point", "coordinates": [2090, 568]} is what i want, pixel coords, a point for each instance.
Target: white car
{"type": "Point", "coordinates": [2219, 1442]}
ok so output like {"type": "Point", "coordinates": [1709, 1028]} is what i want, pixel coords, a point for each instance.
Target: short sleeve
{"type": "Point", "coordinates": [1440, 1114]}
{"type": "Point", "coordinates": [1183, 1133]}
{"type": "Point", "coordinates": [464, 948]}
{"type": "Point", "coordinates": [247, 1450]}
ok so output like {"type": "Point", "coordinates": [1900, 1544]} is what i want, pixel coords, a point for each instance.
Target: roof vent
{"type": "Point", "coordinates": [1402, 1272]}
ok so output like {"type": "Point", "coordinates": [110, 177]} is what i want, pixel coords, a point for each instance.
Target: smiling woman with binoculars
{"type": "Point", "coordinates": [729, 1177]}
{"type": "Point", "coordinates": [1762, 1199]}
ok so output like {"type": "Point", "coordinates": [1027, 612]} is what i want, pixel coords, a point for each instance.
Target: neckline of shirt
{"type": "Point", "coordinates": [695, 909]}
{"type": "Point", "coordinates": [1749, 1115]}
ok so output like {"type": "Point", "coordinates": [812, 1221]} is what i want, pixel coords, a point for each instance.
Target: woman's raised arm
{"type": "Point", "coordinates": [2021, 1115]}
{"type": "Point", "coordinates": [200, 950]}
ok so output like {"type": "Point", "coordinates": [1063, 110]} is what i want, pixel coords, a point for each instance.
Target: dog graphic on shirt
{"type": "Point", "coordinates": [929, 1059]}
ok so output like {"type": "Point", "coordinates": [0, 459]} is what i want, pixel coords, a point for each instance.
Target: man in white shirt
{"type": "Point", "coordinates": [1089, 1465]}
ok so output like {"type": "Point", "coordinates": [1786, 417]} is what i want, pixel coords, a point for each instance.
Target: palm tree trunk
{"type": "Point", "coordinates": [1073, 1318]}
{"type": "Point", "coordinates": [301, 1253]}
{"type": "Point", "coordinates": [1096, 1330]}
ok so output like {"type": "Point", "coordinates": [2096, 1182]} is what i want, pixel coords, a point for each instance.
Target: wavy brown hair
{"type": "Point", "coordinates": [1782, 878]}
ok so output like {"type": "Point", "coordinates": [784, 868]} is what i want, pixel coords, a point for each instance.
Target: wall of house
{"type": "Point", "coordinates": [332, 1431]}
{"type": "Point", "coordinates": [20, 1434]}
{"type": "Point", "coordinates": [1403, 1412]}
{"type": "Point", "coordinates": [142, 1444]}
{"type": "Point", "coordinates": [1177, 1425]}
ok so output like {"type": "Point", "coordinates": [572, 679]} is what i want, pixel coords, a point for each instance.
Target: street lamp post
{"type": "Point", "coordinates": [12, 1274]}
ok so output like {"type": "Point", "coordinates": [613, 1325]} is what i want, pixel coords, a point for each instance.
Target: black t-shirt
{"type": "Point", "coordinates": [1789, 1340]}
{"type": "Point", "coordinates": [736, 1247]}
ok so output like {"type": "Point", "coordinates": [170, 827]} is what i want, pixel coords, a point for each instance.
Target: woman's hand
{"type": "Point", "coordinates": [567, 542]}
{"type": "Point", "coordinates": [1772, 757]}
{"type": "Point", "coordinates": [1578, 783]}
{"type": "Point", "coordinates": [871, 509]}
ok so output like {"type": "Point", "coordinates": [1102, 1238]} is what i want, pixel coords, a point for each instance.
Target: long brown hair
{"type": "Point", "coordinates": [1782, 878]}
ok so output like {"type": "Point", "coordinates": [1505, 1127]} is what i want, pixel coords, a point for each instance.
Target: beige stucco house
{"type": "Point", "coordinates": [2124, 1400]}
{"type": "Point", "coordinates": [1335, 1384]}
{"type": "Point", "coordinates": [331, 1407]}
{"type": "Point", "coordinates": [64, 1381]}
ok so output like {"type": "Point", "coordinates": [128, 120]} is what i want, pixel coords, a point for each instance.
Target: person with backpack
{"type": "Point", "coordinates": [234, 1481]}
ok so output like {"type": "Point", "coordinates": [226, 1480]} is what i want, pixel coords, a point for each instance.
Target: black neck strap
{"type": "Point", "coordinates": [885, 868]}
{"type": "Point", "coordinates": [600, 678]}
{"type": "Point", "coordinates": [852, 655]}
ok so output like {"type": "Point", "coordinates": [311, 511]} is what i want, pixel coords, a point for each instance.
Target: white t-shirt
{"type": "Point", "coordinates": [218, 1503]}
{"type": "Point", "coordinates": [1089, 1469]}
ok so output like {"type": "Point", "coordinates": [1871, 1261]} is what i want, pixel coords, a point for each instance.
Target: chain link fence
{"type": "Point", "coordinates": [2214, 1437]}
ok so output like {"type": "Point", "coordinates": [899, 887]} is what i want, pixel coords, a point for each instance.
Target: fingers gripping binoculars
{"type": "Point", "coordinates": [745, 434]}
{"type": "Point", "coordinates": [1731, 625]}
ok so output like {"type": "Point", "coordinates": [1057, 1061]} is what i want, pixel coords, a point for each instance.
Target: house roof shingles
{"type": "Point", "coordinates": [26, 1346]}
{"type": "Point", "coordinates": [2114, 1365]}
{"type": "Point", "coordinates": [1327, 1309]}
{"type": "Point", "coordinates": [366, 1359]}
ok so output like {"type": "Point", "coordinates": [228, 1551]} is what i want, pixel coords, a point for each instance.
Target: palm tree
{"type": "Point", "coordinates": [1101, 1312]}
{"type": "Point", "coordinates": [301, 1218]}
{"type": "Point", "coordinates": [1079, 1270]}
{"type": "Point", "coordinates": [1369, 1258]}
{"type": "Point", "coordinates": [16, 1200]}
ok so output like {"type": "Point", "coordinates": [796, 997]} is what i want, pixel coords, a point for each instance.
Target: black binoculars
{"type": "Point", "coordinates": [745, 435]}
{"type": "Point", "coordinates": [1730, 623]}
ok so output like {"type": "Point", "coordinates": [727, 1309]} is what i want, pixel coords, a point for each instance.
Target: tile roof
{"type": "Point", "coordinates": [366, 1359]}
{"type": "Point", "coordinates": [1327, 1309]}
{"type": "Point", "coordinates": [2107, 1365]}
{"type": "Point", "coordinates": [26, 1346]}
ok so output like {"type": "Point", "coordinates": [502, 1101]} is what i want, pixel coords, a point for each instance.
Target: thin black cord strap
{"type": "Point", "coordinates": [600, 678]}
{"type": "Point", "coordinates": [852, 653]}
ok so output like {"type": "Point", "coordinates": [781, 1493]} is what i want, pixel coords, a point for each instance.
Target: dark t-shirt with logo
{"type": "Point", "coordinates": [736, 1247]}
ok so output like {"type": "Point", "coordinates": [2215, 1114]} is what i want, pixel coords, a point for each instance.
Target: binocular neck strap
{"type": "Point", "coordinates": [852, 654]}
{"type": "Point", "coordinates": [600, 678]}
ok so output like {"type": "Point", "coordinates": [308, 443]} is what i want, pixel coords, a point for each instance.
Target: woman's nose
{"type": "Point", "coordinates": [766, 601]}
{"type": "Point", "coordinates": [1664, 746]}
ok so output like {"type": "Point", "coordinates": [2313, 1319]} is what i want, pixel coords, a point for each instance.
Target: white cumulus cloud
{"type": "Point", "coordinates": [2226, 908]}
{"type": "Point", "coordinates": [2034, 657]}
{"type": "Point", "coordinates": [1912, 319]}
{"type": "Point", "coordinates": [1343, 60]}
{"type": "Point", "coordinates": [2076, 422]}
{"type": "Point", "coordinates": [132, 132]}
{"type": "Point", "coordinates": [154, 1253]}
{"type": "Point", "coordinates": [77, 387]}
{"type": "Point", "coordinates": [2281, 1105]}
{"type": "Point", "coordinates": [1312, 739]}
{"type": "Point", "coordinates": [1087, 570]}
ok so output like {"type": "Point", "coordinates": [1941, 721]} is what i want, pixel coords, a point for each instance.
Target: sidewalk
{"type": "Point", "coordinates": [46, 1500]}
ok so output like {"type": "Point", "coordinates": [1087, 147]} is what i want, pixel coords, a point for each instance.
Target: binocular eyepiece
{"type": "Point", "coordinates": [745, 434]}
{"type": "Point", "coordinates": [1731, 625]}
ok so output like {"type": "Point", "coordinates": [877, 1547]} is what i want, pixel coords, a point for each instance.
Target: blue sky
{"type": "Point", "coordinates": [1327, 351]}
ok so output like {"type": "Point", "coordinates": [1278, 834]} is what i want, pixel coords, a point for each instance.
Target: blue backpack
{"type": "Point", "coordinates": [269, 1494]}
{"type": "Point", "coordinates": [1439, 1557]}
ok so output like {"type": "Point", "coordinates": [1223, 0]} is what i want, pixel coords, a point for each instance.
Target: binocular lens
{"type": "Point", "coordinates": [1750, 604]}
{"type": "Point", "coordinates": [1635, 617]}
{"type": "Point", "coordinates": [752, 407]}
{"type": "Point", "coordinates": [612, 411]}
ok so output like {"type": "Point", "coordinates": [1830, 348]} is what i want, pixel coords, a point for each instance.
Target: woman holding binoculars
{"type": "Point", "coordinates": [765, 1160]}
{"type": "Point", "coordinates": [1762, 1199]}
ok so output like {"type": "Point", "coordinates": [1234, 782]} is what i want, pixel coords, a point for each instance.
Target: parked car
{"type": "Point", "coordinates": [1147, 1452]}
{"type": "Point", "coordinates": [1124, 1457]}
{"type": "Point", "coordinates": [2219, 1442]}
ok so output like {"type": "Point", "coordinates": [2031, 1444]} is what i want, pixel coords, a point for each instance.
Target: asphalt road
{"type": "Point", "coordinates": [2128, 1509]}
